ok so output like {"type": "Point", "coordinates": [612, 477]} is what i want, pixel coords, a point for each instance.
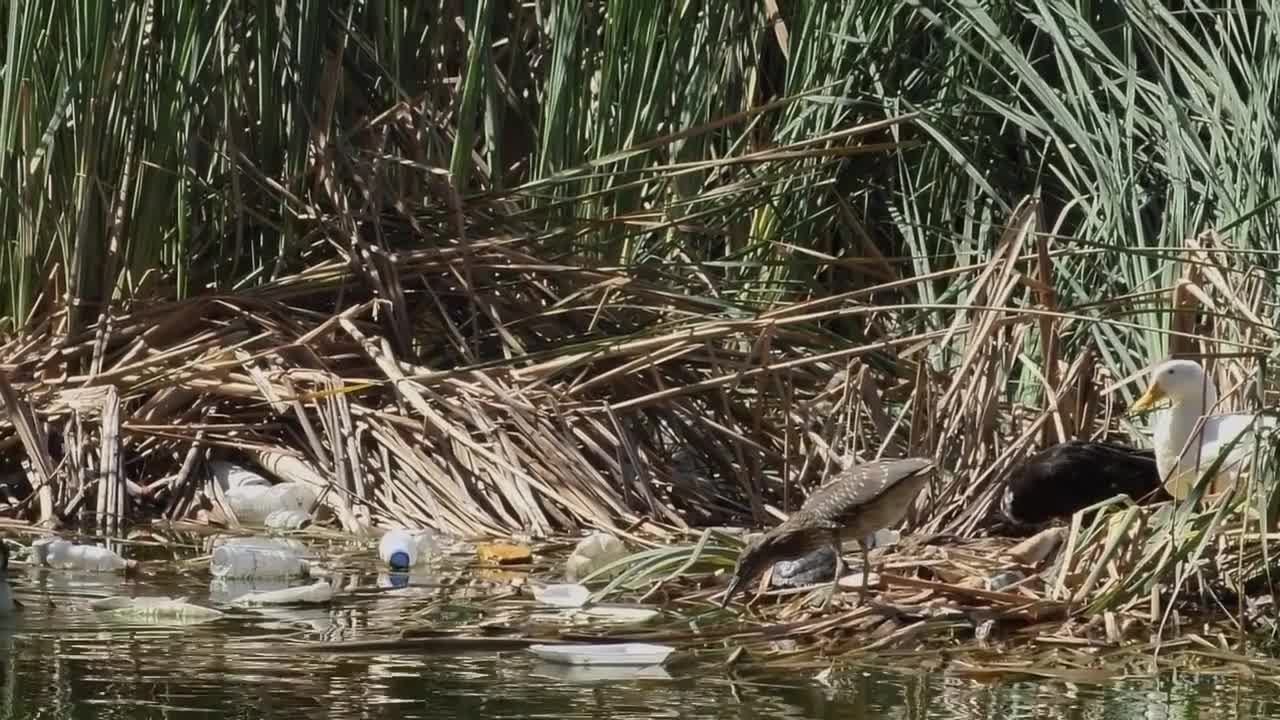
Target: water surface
{"type": "Point", "coordinates": [61, 660]}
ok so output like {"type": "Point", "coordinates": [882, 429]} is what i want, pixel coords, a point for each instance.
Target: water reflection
{"type": "Point", "coordinates": [59, 659]}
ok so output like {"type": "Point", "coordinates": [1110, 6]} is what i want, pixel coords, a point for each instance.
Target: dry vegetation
{"type": "Point", "coordinates": [582, 305]}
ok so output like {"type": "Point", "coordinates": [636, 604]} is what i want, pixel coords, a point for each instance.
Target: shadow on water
{"type": "Point", "coordinates": [59, 659]}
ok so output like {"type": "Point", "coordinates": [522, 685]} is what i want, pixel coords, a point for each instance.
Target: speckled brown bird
{"type": "Point", "coordinates": [859, 501]}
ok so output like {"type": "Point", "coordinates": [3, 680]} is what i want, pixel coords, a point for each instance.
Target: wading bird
{"type": "Point", "coordinates": [859, 501]}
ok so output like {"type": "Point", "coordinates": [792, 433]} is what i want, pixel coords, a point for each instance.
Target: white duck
{"type": "Point", "coordinates": [1181, 460]}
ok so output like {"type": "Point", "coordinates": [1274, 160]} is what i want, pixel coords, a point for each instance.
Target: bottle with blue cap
{"type": "Point", "coordinates": [401, 549]}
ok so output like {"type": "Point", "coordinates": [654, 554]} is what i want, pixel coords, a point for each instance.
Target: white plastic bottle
{"type": "Point", "coordinates": [401, 549]}
{"type": "Point", "coordinates": [63, 554]}
{"type": "Point", "coordinates": [253, 504]}
{"type": "Point", "coordinates": [257, 558]}
{"type": "Point", "coordinates": [229, 475]}
{"type": "Point", "coordinates": [223, 590]}
{"type": "Point", "coordinates": [286, 520]}
{"type": "Point", "coordinates": [593, 552]}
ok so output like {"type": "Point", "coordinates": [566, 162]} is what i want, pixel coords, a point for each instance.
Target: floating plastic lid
{"type": "Point", "coordinates": [603, 654]}
{"type": "Point", "coordinates": [399, 560]}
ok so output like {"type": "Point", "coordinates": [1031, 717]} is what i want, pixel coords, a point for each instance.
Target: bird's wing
{"type": "Point", "coordinates": [1221, 430]}
{"type": "Point", "coordinates": [861, 483]}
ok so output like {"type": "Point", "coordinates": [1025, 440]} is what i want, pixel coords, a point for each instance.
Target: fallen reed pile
{"type": "Point", "coordinates": [487, 390]}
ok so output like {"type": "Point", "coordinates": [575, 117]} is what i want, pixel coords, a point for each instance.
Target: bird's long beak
{"type": "Point", "coordinates": [1153, 395]}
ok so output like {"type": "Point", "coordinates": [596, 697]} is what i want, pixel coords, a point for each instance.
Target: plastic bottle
{"type": "Point", "coordinates": [223, 590]}
{"type": "Point", "coordinates": [257, 558]}
{"type": "Point", "coordinates": [253, 504]}
{"type": "Point", "coordinates": [66, 555]}
{"type": "Point", "coordinates": [286, 520]}
{"type": "Point", "coordinates": [592, 553]}
{"type": "Point", "coordinates": [229, 475]}
{"type": "Point", "coordinates": [316, 593]}
{"type": "Point", "coordinates": [401, 549]}
{"type": "Point", "coordinates": [813, 567]}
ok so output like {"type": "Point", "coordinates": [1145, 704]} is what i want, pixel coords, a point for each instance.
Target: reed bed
{"type": "Point", "coordinates": [479, 271]}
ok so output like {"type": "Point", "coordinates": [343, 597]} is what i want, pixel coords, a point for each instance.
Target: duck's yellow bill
{"type": "Point", "coordinates": [1153, 395]}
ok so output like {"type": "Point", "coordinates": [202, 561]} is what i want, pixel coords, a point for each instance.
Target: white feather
{"type": "Point", "coordinates": [1180, 459]}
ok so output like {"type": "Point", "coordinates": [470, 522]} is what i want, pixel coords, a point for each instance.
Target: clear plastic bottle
{"type": "Point", "coordinates": [229, 475]}
{"type": "Point", "coordinates": [253, 504]}
{"type": "Point", "coordinates": [223, 590]}
{"type": "Point", "coordinates": [286, 520]}
{"type": "Point", "coordinates": [402, 549]}
{"type": "Point", "coordinates": [66, 555]}
{"type": "Point", "coordinates": [257, 558]}
{"type": "Point", "coordinates": [316, 593]}
{"type": "Point", "coordinates": [592, 553]}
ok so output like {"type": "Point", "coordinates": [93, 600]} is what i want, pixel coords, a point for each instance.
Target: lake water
{"type": "Point", "coordinates": [61, 660]}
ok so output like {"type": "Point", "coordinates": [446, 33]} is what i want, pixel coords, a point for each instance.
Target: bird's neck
{"type": "Point", "coordinates": [1180, 421]}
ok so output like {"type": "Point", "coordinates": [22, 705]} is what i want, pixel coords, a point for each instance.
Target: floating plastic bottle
{"type": "Point", "coordinates": [222, 591]}
{"type": "Point", "coordinates": [66, 555]}
{"type": "Point", "coordinates": [258, 558]}
{"type": "Point", "coordinates": [401, 549]}
{"type": "Point", "coordinates": [161, 610]}
{"type": "Point", "coordinates": [314, 594]}
{"type": "Point", "coordinates": [593, 552]}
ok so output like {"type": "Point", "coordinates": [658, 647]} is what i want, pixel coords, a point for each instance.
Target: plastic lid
{"type": "Point", "coordinates": [399, 560]}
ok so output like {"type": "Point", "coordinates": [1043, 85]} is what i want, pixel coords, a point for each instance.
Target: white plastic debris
{"type": "Point", "coordinates": [593, 552]}
{"type": "Point", "coordinates": [314, 594]}
{"type": "Point", "coordinates": [222, 591]}
{"type": "Point", "coordinates": [257, 557]}
{"type": "Point", "coordinates": [229, 475]}
{"type": "Point", "coordinates": [883, 537]}
{"type": "Point", "coordinates": [618, 614]}
{"type": "Point", "coordinates": [61, 554]}
{"type": "Point", "coordinates": [286, 520]}
{"type": "Point", "coordinates": [813, 567]}
{"type": "Point", "coordinates": [568, 595]}
{"type": "Point", "coordinates": [603, 654]}
{"type": "Point", "coordinates": [154, 609]}
{"type": "Point", "coordinates": [253, 504]}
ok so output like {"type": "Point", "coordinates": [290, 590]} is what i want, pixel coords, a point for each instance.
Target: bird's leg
{"type": "Point", "coordinates": [866, 569]}
{"type": "Point", "coordinates": [835, 571]}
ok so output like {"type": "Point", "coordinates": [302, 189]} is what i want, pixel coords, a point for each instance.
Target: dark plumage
{"type": "Point", "coordinates": [859, 501]}
{"type": "Point", "coordinates": [1061, 479]}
